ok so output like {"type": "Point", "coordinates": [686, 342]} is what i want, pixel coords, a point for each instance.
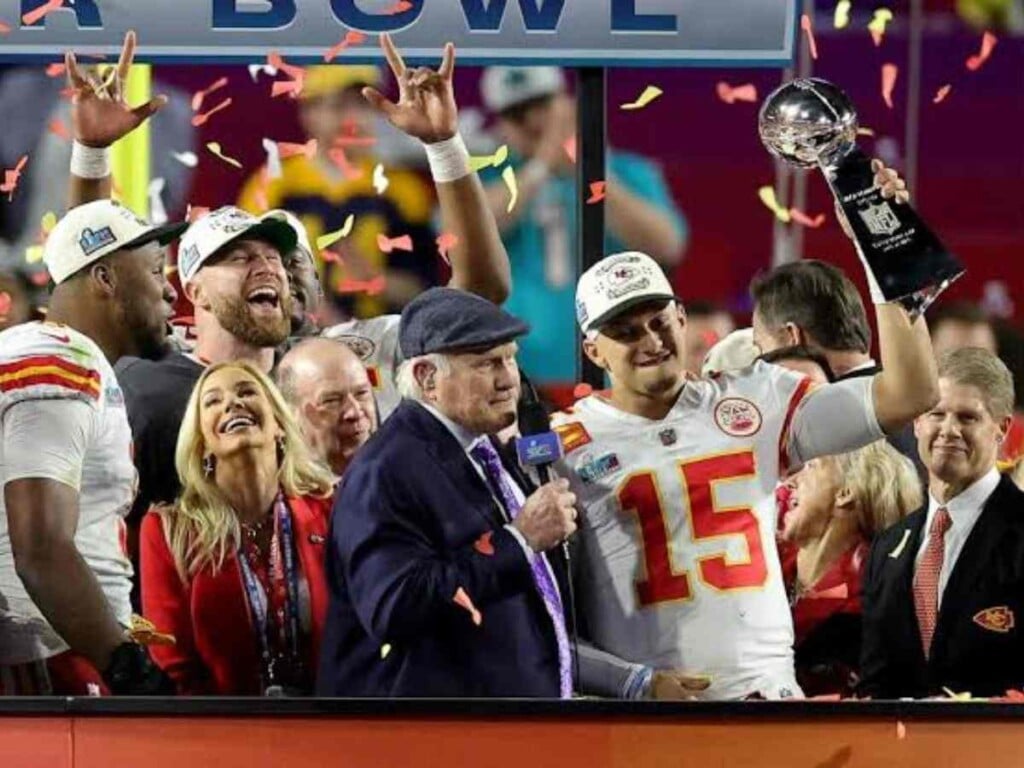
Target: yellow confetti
{"type": "Point", "coordinates": [865, 131]}
{"type": "Point", "coordinates": [877, 25]}
{"type": "Point", "coordinates": [501, 156]}
{"type": "Point", "coordinates": [509, 177]}
{"type": "Point", "coordinates": [385, 650]}
{"type": "Point", "coordinates": [480, 162]}
{"type": "Point", "coordinates": [767, 195]}
{"type": "Point", "coordinates": [842, 17]}
{"type": "Point", "coordinates": [48, 222]}
{"type": "Point", "coordinates": [965, 696]}
{"type": "Point", "coordinates": [215, 148]}
{"type": "Point", "coordinates": [651, 92]}
{"type": "Point", "coordinates": [326, 241]}
{"type": "Point", "coordinates": [33, 254]}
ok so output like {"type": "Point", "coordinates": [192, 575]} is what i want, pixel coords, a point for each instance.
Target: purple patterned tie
{"type": "Point", "coordinates": [487, 457]}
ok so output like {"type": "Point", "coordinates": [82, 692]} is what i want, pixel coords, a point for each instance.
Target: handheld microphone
{"type": "Point", "coordinates": [538, 447]}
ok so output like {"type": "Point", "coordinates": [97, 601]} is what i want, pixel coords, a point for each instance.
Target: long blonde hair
{"type": "Point", "coordinates": [201, 527]}
{"type": "Point", "coordinates": [883, 481]}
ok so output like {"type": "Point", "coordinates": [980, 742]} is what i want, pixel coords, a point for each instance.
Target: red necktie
{"type": "Point", "coordinates": [926, 581]}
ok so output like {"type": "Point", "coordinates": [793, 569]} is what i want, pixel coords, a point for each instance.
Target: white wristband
{"type": "Point", "coordinates": [90, 162]}
{"type": "Point", "coordinates": [449, 159]}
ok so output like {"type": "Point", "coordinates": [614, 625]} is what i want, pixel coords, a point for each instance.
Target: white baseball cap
{"type": "Point", "coordinates": [89, 232]}
{"type": "Point", "coordinates": [505, 87]}
{"type": "Point", "coordinates": [615, 284]}
{"type": "Point", "coordinates": [300, 230]}
{"type": "Point", "coordinates": [212, 231]}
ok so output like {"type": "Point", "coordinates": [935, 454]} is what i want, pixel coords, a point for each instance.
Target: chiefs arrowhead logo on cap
{"type": "Point", "coordinates": [997, 619]}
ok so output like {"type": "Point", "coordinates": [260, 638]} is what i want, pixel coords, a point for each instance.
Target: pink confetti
{"type": "Point", "coordinates": [55, 70]}
{"type": "Point", "coordinates": [445, 242]}
{"type": "Point", "coordinates": [199, 96]}
{"type": "Point", "coordinates": [11, 178]}
{"type": "Point", "coordinates": [5, 29]}
{"type": "Point", "coordinates": [889, 74]}
{"type": "Point", "coordinates": [730, 95]}
{"type": "Point", "coordinates": [582, 390]}
{"type": "Point", "coordinates": [901, 730]}
{"type": "Point", "coordinates": [369, 287]}
{"type": "Point", "coordinates": [285, 87]}
{"type": "Point", "coordinates": [483, 545]}
{"type": "Point", "coordinates": [331, 257]}
{"type": "Point", "coordinates": [352, 37]}
{"type": "Point", "coordinates": [988, 43]}
{"type": "Point", "coordinates": [36, 14]}
{"type": "Point", "coordinates": [570, 148]}
{"type": "Point", "coordinates": [57, 128]}
{"type": "Point", "coordinates": [340, 160]}
{"type": "Point", "coordinates": [201, 119]}
{"type": "Point", "coordinates": [400, 7]}
{"type": "Point", "coordinates": [805, 25]}
{"type": "Point", "coordinates": [943, 92]}
{"type": "Point", "coordinates": [287, 149]}
{"type": "Point", "coordinates": [355, 141]}
{"type": "Point", "coordinates": [291, 87]}
{"type": "Point", "coordinates": [804, 220]}
{"type": "Point", "coordinates": [598, 190]}
{"type": "Point", "coordinates": [388, 244]}
{"type": "Point", "coordinates": [463, 601]}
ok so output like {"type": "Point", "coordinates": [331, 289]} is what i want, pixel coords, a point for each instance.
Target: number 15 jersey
{"type": "Point", "coordinates": [679, 567]}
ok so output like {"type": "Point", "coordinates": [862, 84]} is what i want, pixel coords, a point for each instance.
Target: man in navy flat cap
{"type": "Point", "coordinates": [444, 567]}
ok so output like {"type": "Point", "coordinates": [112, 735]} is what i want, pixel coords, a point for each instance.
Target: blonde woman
{"type": "Point", "coordinates": [836, 506]}
{"type": "Point", "coordinates": [234, 569]}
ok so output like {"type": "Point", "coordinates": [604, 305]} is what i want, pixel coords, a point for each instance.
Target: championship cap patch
{"type": "Point", "coordinates": [91, 241]}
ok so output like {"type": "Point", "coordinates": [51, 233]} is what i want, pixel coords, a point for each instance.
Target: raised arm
{"type": "Point", "coordinates": [426, 110]}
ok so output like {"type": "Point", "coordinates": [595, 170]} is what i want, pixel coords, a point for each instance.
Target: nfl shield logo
{"type": "Point", "coordinates": [880, 219]}
{"type": "Point", "coordinates": [668, 436]}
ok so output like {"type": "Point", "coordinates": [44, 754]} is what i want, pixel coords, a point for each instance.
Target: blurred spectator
{"type": "Point", "coordinates": [536, 118]}
{"type": "Point", "coordinates": [14, 300]}
{"type": "Point", "coordinates": [331, 394]}
{"type": "Point", "coordinates": [837, 506]}
{"type": "Point", "coordinates": [303, 281]}
{"type": "Point", "coordinates": [944, 589]}
{"type": "Point", "coordinates": [338, 180]}
{"type": "Point", "coordinates": [234, 569]}
{"type": "Point", "coordinates": [960, 324]}
{"type": "Point", "coordinates": [1010, 344]}
{"type": "Point", "coordinates": [706, 325]}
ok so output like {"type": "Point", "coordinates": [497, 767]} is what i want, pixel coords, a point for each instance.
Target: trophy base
{"type": "Point", "coordinates": [909, 263]}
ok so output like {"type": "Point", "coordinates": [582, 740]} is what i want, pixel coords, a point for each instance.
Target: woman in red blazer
{"type": "Point", "coordinates": [234, 569]}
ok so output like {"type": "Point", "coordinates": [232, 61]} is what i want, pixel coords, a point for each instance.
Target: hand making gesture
{"type": "Point", "coordinates": [426, 107]}
{"type": "Point", "coordinates": [99, 114]}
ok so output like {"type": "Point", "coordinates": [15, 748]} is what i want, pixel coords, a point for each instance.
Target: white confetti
{"type": "Point", "coordinates": [380, 181]}
{"type": "Point", "coordinates": [188, 159]}
{"type": "Point", "coordinates": [157, 211]}
{"type": "Point", "coordinates": [273, 158]}
{"type": "Point", "coordinates": [255, 69]}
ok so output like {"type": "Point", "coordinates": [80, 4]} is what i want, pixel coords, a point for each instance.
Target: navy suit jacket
{"type": "Point", "coordinates": [978, 645]}
{"type": "Point", "coordinates": [413, 523]}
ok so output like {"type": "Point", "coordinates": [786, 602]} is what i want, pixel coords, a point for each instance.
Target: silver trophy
{"type": "Point", "coordinates": [811, 123]}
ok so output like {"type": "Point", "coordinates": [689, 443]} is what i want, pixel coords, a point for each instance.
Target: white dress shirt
{"type": "Point", "coordinates": [964, 510]}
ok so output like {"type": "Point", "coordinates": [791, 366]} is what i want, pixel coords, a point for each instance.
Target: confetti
{"type": "Point", "coordinates": [582, 390]}
{"type": "Point", "coordinates": [651, 92]}
{"type": "Point", "coordinates": [48, 222]}
{"type": "Point", "coordinates": [462, 600]}
{"type": "Point", "coordinates": [730, 95]}
{"type": "Point", "coordinates": [767, 195]}
{"type": "Point", "coordinates": [36, 14]}
{"type": "Point", "coordinates": [445, 242]}
{"type": "Point", "coordinates": [199, 96]}
{"type": "Point", "coordinates": [193, 212]}
{"type": "Point", "coordinates": [58, 129]}
{"type": "Point", "coordinates": [570, 148]}
{"type": "Point", "coordinates": [55, 70]}
{"type": "Point", "coordinates": [598, 190]}
{"type": "Point", "coordinates": [400, 7]}
{"type": "Point", "coordinates": [272, 148]}
{"type": "Point", "coordinates": [988, 43]}
{"type": "Point", "coordinates": [340, 160]}
{"type": "Point", "coordinates": [901, 730]}
{"type": "Point", "coordinates": [484, 545]}
{"type": "Point", "coordinates": [215, 149]}
{"type": "Point", "coordinates": [804, 220]}
{"type": "Point", "coordinates": [889, 74]}
{"type": "Point", "coordinates": [965, 696]}
{"type": "Point", "coordinates": [157, 211]}
{"type": "Point", "coordinates": [842, 15]}
{"type": "Point", "coordinates": [294, 86]}
{"type": "Point", "coordinates": [862, 131]}
{"type": "Point", "coordinates": [5, 29]}
{"type": "Point", "coordinates": [288, 149]}
{"type": "Point", "coordinates": [509, 177]}
{"type": "Point", "coordinates": [489, 161]}
{"type": "Point", "coordinates": [369, 287]}
{"type": "Point", "coordinates": [5, 307]}
{"type": "Point", "coordinates": [355, 141]}
{"type": "Point", "coordinates": [352, 37]}
{"type": "Point", "coordinates": [255, 69]}
{"type": "Point", "coordinates": [388, 244]}
{"type": "Point", "coordinates": [281, 87]}
{"type": "Point", "coordinates": [805, 25]}
{"type": "Point", "coordinates": [188, 159]}
{"type": "Point", "coordinates": [326, 241]}
{"type": "Point", "coordinates": [33, 254]}
{"type": "Point", "coordinates": [385, 650]}
{"type": "Point", "coordinates": [201, 119]}
{"type": "Point", "coordinates": [942, 93]}
{"type": "Point", "coordinates": [380, 180]}
{"type": "Point", "coordinates": [331, 257]}
{"type": "Point", "coordinates": [11, 177]}
{"type": "Point", "coordinates": [877, 25]}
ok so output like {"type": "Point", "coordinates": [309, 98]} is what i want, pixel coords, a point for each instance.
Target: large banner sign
{"type": "Point", "coordinates": [571, 32]}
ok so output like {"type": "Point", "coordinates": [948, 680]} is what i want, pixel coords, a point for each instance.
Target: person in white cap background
{"type": "Point", "coordinates": [679, 572]}
{"type": "Point", "coordinates": [536, 117]}
{"type": "Point", "coordinates": [65, 462]}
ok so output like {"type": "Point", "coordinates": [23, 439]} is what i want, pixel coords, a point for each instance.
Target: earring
{"type": "Point", "coordinates": [280, 448]}
{"type": "Point", "coordinates": [209, 465]}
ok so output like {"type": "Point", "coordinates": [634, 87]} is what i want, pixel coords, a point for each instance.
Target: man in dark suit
{"type": "Point", "coordinates": [444, 569]}
{"type": "Point", "coordinates": [943, 590]}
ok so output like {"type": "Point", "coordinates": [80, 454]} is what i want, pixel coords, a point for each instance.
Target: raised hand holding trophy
{"type": "Point", "coordinates": [811, 123]}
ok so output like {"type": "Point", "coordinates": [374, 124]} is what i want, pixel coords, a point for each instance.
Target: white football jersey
{"type": "Point", "coordinates": [41, 363]}
{"type": "Point", "coordinates": [376, 342]}
{"type": "Point", "coordinates": [679, 564]}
